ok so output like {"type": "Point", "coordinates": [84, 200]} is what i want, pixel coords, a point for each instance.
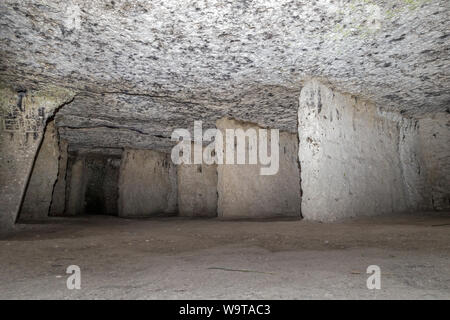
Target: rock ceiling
{"type": "Point", "coordinates": [142, 68]}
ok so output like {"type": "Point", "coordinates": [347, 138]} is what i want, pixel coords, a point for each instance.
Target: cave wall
{"type": "Point", "coordinates": [23, 116]}
{"type": "Point", "coordinates": [197, 189]}
{"type": "Point", "coordinates": [76, 185]}
{"type": "Point", "coordinates": [147, 184]}
{"type": "Point", "coordinates": [110, 186]}
{"type": "Point", "coordinates": [59, 192]}
{"type": "Point", "coordinates": [244, 193]}
{"type": "Point", "coordinates": [413, 169]}
{"type": "Point", "coordinates": [434, 134]}
{"type": "Point", "coordinates": [349, 155]}
{"type": "Point", "coordinates": [426, 161]}
{"type": "Point", "coordinates": [38, 195]}
{"type": "Point", "coordinates": [356, 159]}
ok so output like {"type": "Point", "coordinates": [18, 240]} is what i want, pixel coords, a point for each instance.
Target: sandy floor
{"type": "Point", "coordinates": [176, 258]}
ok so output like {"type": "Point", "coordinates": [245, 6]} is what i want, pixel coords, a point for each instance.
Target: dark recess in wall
{"type": "Point", "coordinates": [101, 174]}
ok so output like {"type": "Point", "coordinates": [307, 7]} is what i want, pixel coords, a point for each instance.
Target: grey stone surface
{"type": "Point", "coordinates": [197, 189]}
{"type": "Point", "coordinates": [147, 184]}
{"type": "Point", "coordinates": [143, 121]}
{"type": "Point", "coordinates": [76, 185]}
{"type": "Point", "coordinates": [39, 191]}
{"type": "Point", "coordinates": [349, 155]}
{"type": "Point", "coordinates": [134, 70]}
{"type": "Point", "coordinates": [247, 59]}
{"type": "Point", "coordinates": [201, 259]}
{"type": "Point", "coordinates": [357, 159]}
{"type": "Point", "coordinates": [244, 193]}
{"type": "Point", "coordinates": [433, 140]}
{"type": "Point", "coordinates": [58, 204]}
{"type": "Point", "coordinates": [23, 116]}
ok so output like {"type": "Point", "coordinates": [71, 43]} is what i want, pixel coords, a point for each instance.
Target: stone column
{"type": "Point", "coordinates": [38, 195]}
{"type": "Point", "coordinates": [23, 116]}
{"type": "Point", "coordinates": [76, 185]}
{"type": "Point", "coordinates": [434, 139]}
{"type": "Point", "coordinates": [147, 184]}
{"type": "Point", "coordinates": [349, 156]}
{"type": "Point", "coordinates": [59, 193]}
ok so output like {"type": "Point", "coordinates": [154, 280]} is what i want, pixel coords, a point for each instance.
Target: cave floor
{"type": "Point", "coordinates": [176, 258]}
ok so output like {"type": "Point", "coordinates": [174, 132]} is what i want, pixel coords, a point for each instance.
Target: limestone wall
{"type": "Point", "coordinates": [59, 192]}
{"type": "Point", "coordinates": [76, 185]}
{"type": "Point", "coordinates": [244, 193]}
{"type": "Point", "coordinates": [147, 184]}
{"type": "Point", "coordinates": [110, 186]}
{"type": "Point", "coordinates": [414, 173]}
{"type": "Point", "coordinates": [426, 161]}
{"type": "Point", "coordinates": [349, 156]}
{"type": "Point", "coordinates": [38, 196]}
{"type": "Point", "coordinates": [23, 116]}
{"type": "Point", "coordinates": [197, 190]}
{"type": "Point", "coordinates": [434, 134]}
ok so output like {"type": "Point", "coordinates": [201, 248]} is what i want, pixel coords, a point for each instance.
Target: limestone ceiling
{"type": "Point", "coordinates": [144, 67]}
{"type": "Point", "coordinates": [146, 121]}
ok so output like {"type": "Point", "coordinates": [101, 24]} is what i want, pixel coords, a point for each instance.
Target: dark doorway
{"type": "Point", "coordinates": [92, 184]}
{"type": "Point", "coordinates": [101, 185]}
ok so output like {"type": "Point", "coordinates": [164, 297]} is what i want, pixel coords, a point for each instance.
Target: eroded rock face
{"type": "Point", "coordinates": [243, 59]}
{"type": "Point", "coordinates": [147, 122]}
{"type": "Point", "coordinates": [39, 192]}
{"type": "Point", "coordinates": [23, 116]}
{"type": "Point", "coordinates": [59, 192]}
{"type": "Point", "coordinates": [147, 184]}
{"type": "Point", "coordinates": [349, 157]}
{"type": "Point", "coordinates": [197, 188]}
{"type": "Point", "coordinates": [129, 72]}
{"type": "Point", "coordinates": [76, 186]}
{"type": "Point", "coordinates": [359, 160]}
{"type": "Point", "coordinates": [426, 162]}
{"type": "Point", "coordinates": [244, 192]}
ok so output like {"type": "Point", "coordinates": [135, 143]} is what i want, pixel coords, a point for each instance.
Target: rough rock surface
{"type": "Point", "coordinates": [179, 60]}
{"type": "Point", "coordinates": [435, 139]}
{"type": "Point", "coordinates": [244, 193]}
{"type": "Point", "coordinates": [58, 204]}
{"type": "Point", "coordinates": [23, 117]}
{"type": "Point", "coordinates": [39, 192]}
{"type": "Point", "coordinates": [197, 188]}
{"type": "Point", "coordinates": [76, 186]}
{"type": "Point", "coordinates": [359, 160]}
{"type": "Point", "coordinates": [425, 154]}
{"type": "Point", "coordinates": [147, 122]}
{"type": "Point", "coordinates": [349, 156]}
{"type": "Point", "coordinates": [147, 184]}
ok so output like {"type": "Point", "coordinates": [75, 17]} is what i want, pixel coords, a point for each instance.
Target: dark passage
{"type": "Point", "coordinates": [102, 185]}
{"type": "Point", "coordinates": [92, 184]}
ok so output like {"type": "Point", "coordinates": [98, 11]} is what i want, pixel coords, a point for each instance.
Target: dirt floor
{"type": "Point", "coordinates": [174, 258]}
